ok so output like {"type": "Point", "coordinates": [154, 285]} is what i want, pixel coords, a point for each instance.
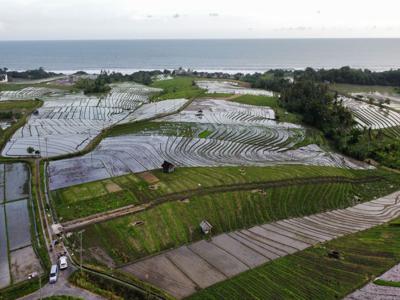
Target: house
{"type": "Point", "coordinates": [205, 227]}
{"type": "Point", "coordinates": [3, 78]}
{"type": "Point", "coordinates": [168, 167]}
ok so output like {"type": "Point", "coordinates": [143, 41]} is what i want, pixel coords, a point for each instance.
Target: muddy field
{"type": "Point", "coordinates": [16, 181]}
{"type": "Point", "coordinates": [4, 269]}
{"type": "Point", "coordinates": [16, 252]}
{"type": "Point", "coordinates": [66, 123]}
{"type": "Point", "coordinates": [23, 262]}
{"type": "Point", "coordinates": [18, 224]}
{"type": "Point", "coordinates": [223, 134]}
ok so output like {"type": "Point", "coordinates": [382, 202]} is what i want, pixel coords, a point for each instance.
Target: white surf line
{"type": "Point", "coordinates": [183, 271]}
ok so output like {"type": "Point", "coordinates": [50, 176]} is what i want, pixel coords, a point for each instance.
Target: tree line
{"type": "Point", "coordinates": [277, 80]}
{"type": "Point", "coordinates": [321, 108]}
{"type": "Point", "coordinates": [35, 74]}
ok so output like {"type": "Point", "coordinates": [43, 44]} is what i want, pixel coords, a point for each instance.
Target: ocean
{"type": "Point", "coordinates": [203, 55]}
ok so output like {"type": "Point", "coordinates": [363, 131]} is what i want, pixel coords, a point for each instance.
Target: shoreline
{"type": "Point", "coordinates": [229, 71]}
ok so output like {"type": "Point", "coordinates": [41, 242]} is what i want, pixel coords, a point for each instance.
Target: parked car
{"type": "Point", "coordinates": [53, 274]}
{"type": "Point", "coordinates": [63, 262]}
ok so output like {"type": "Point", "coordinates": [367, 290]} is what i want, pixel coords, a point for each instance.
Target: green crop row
{"type": "Point", "coordinates": [89, 198]}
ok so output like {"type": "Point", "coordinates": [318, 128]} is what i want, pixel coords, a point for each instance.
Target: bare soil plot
{"type": "Point", "coordinates": [248, 256]}
{"type": "Point", "coordinates": [24, 262]}
{"type": "Point", "coordinates": [149, 177]}
{"type": "Point", "coordinates": [112, 187]}
{"type": "Point", "coordinates": [195, 267]}
{"type": "Point", "coordinates": [218, 258]}
{"type": "Point", "coordinates": [4, 266]}
{"type": "Point", "coordinates": [162, 272]}
{"type": "Point", "coordinates": [18, 224]}
{"type": "Point", "coordinates": [16, 181]}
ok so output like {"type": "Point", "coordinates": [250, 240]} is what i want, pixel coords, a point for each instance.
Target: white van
{"type": "Point", "coordinates": [63, 262]}
{"type": "Point", "coordinates": [53, 274]}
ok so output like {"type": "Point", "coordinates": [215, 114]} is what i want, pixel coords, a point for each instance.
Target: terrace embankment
{"type": "Point", "coordinates": [185, 270]}
{"type": "Point", "coordinates": [131, 209]}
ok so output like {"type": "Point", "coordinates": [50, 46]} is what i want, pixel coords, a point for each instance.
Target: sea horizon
{"type": "Point", "coordinates": [211, 55]}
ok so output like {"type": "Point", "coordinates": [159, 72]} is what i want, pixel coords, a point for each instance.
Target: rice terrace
{"type": "Point", "coordinates": [196, 185]}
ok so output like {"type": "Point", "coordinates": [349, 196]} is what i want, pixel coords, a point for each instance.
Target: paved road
{"type": "Point", "coordinates": [185, 270]}
{"type": "Point", "coordinates": [62, 287]}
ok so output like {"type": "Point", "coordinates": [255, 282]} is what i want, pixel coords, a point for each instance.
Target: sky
{"type": "Point", "coordinates": [175, 19]}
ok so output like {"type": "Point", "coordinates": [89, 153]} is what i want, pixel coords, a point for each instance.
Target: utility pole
{"type": "Point", "coordinates": [40, 287]}
{"type": "Point", "coordinates": [91, 151]}
{"type": "Point", "coordinates": [47, 153]}
{"type": "Point", "coordinates": [81, 234]}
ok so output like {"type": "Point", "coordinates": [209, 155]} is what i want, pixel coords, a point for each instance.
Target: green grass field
{"type": "Point", "coordinates": [172, 224]}
{"type": "Point", "coordinates": [311, 274]}
{"type": "Point", "coordinates": [18, 105]}
{"type": "Point", "coordinates": [354, 88]}
{"type": "Point", "coordinates": [20, 86]}
{"type": "Point", "coordinates": [179, 87]}
{"type": "Point", "coordinates": [89, 198]}
{"type": "Point", "coordinates": [166, 128]}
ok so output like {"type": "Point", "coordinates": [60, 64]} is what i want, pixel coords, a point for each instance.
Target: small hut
{"type": "Point", "coordinates": [205, 227]}
{"type": "Point", "coordinates": [168, 167]}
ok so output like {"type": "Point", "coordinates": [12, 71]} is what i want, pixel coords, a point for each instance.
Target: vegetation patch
{"type": "Point", "coordinates": [89, 198]}
{"type": "Point", "coordinates": [356, 88]}
{"type": "Point", "coordinates": [387, 283]}
{"type": "Point", "coordinates": [107, 288]}
{"type": "Point", "coordinates": [204, 134]}
{"type": "Point", "coordinates": [179, 87]}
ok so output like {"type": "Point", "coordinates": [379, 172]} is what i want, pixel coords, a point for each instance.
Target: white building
{"type": "Point", "coordinates": [3, 78]}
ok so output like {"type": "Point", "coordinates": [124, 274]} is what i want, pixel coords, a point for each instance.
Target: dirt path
{"type": "Point", "coordinates": [40, 206]}
{"type": "Point", "coordinates": [132, 209]}
{"type": "Point", "coordinates": [185, 270]}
